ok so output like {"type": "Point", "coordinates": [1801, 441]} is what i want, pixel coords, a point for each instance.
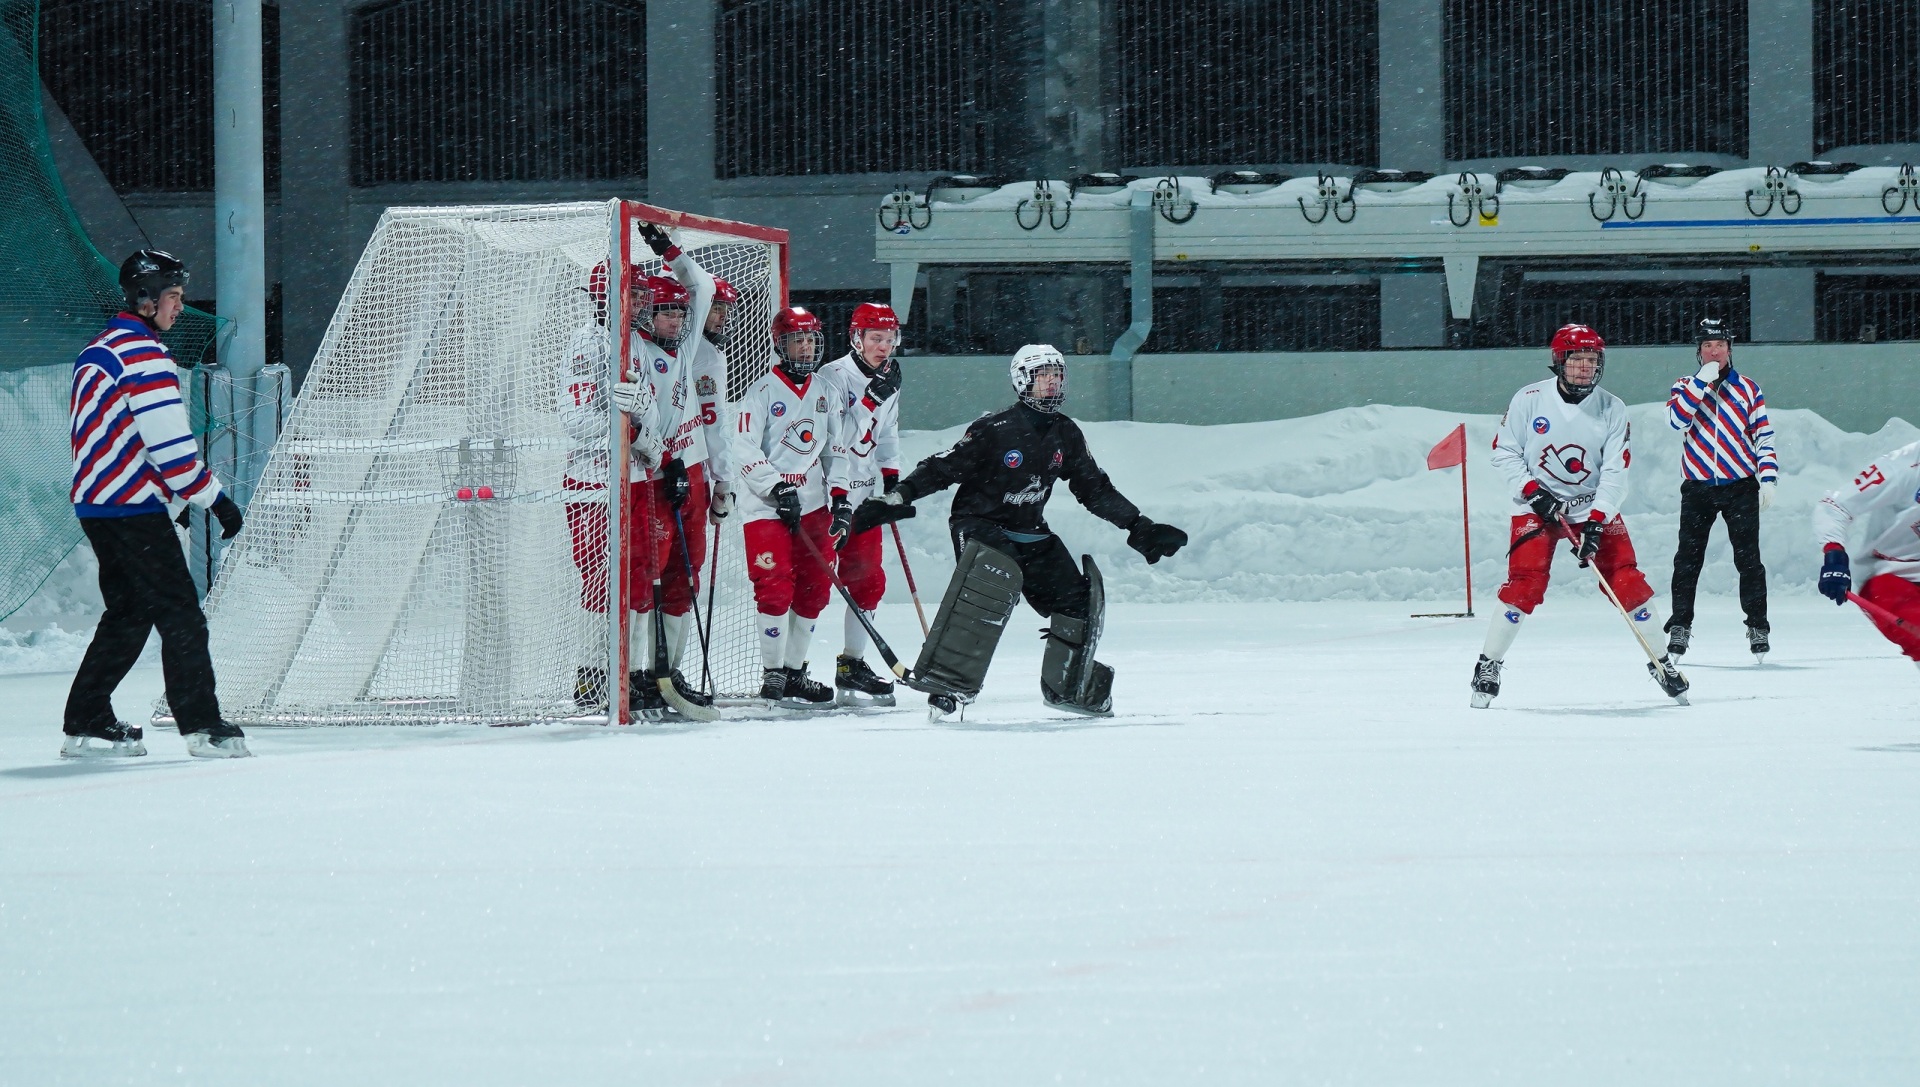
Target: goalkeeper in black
{"type": "Point", "coordinates": [1005, 467]}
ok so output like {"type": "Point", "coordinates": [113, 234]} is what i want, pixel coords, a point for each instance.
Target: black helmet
{"type": "Point", "coordinates": [147, 274]}
{"type": "Point", "coordinates": [1712, 328]}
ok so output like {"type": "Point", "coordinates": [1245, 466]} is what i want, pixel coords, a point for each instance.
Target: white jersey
{"type": "Point", "coordinates": [785, 431]}
{"type": "Point", "coordinates": [584, 408]}
{"type": "Point", "coordinates": [667, 372]}
{"type": "Point", "coordinates": [869, 433]}
{"type": "Point", "coordinates": [1881, 505]}
{"type": "Point", "coordinates": [1577, 451]}
{"type": "Point", "coordinates": [706, 431]}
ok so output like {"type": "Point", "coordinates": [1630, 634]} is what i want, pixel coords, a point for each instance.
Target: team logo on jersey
{"type": "Point", "coordinates": [1566, 464]}
{"type": "Point", "coordinates": [704, 386]}
{"type": "Point", "coordinates": [1059, 458]}
{"type": "Point", "coordinates": [778, 409]}
{"type": "Point", "coordinates": [1540, 424]}
{"type": "Point", "coordinates": [799, 436]}
{"type": "Point", "coordinates": [764, 560]}
{"type": "Point", "coordinates": [1013, 458]}
{"type": "Point", "coordinates": [1034, 493]}
{"type": "Point", "coordinates": [660, 365]}
{"type": "Point", "coordinates": [821, 404]}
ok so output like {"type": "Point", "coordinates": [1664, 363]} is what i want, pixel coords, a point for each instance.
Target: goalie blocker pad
{"type": "Point", "coordinates": [980, 599]}
{"type": "Point", "coordinates": [1070, 679]}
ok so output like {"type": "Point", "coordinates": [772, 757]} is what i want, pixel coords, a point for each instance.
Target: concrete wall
{"type": "Point", "coordinates": [1856, 386]}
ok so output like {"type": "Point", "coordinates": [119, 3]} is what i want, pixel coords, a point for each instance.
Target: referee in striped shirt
{"type": "Point", "coordinates": [1730, 470]}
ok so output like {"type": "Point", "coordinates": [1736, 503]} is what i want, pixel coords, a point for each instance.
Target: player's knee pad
{"type": "Point", "coordinates": [1630, 585]}
{"type": "Point", "coordinates": [1524, 591]}
{"type": "Point", "coordinates": [772, 589]}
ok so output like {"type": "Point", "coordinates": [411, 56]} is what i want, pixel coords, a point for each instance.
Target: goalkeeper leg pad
{"type": "Point", "coordinates": [1070, 679]}
{"type": "Point", "coordinates": [980, 599]}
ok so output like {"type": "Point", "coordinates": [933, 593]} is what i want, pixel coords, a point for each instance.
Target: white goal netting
{"type": "Point", "coordinates": [408, 555]}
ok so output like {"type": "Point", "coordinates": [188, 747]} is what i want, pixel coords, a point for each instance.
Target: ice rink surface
{"type": "Point", "coordinates": [1295, 856]}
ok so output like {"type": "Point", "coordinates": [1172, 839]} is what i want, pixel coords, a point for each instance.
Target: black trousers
{"type": "Point", "coordinates": [145, 583]}
{"type": "Point", "coordinates": [1050, 579]}
{"type": "Point", "coordinates": [1739, 503]}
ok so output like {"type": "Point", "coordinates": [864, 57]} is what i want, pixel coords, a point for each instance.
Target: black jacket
{"type": "Point", "coordinates": [1006, 464]}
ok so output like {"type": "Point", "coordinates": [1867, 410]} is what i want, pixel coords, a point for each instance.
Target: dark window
{"type": "Point", "coordinates": [1863, 309]}
{"type": "Point", "coordinates": [856, 86]}
{"type": "Point", "coordinates": [1335, 317]}
{"type": "Point", "coordinates": [835, 310]}
{"type": "Point", "coordinates": [1866, 72]}
{"type": "Point", "coordinates": [135, 78]}
{"type": "Point", "coordinates": [1625, 313]}
{"type": "Point", "coordinates": [1247, 82]}
{"type": "Point", "coordinates": [499, 90]}
{"type": "Point", "coordinates": [1595, 77]}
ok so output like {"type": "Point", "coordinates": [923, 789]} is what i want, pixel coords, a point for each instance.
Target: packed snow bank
{"type": "Point", "coordinates": [1337, 506]}
{"type": "Point", "coordinates": [1341, 506]}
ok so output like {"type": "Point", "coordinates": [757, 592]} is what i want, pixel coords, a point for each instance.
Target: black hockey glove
{"type": "Point", "coordinates": [1546, 507]}
{"type": "Point", "coordinates": [884, 383]}
{"type": "Point", "coordinates": [674, 482]}
{"type": "Point", "coordinates": [1836, 576]}
{"type": "Point", "coordinates": [229, 515]}
{"type": "Point", "coordinates": [875, 512]}
{"type": "Point", "coordinates": [1154, 541]}
{"type": "Point", "coordinates": [656, 239]}
{"type": "Point", "coordinates": [842, 527]}
{"type": "Point", "coordinates": [889, 481]}
{"type": "Point", "coordinates": [1588, 543]}
{"type": "Point", "coordinates": [786, 501]}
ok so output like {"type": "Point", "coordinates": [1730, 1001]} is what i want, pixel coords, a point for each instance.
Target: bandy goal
{"type": "Point", "coordinates": [408, 557]}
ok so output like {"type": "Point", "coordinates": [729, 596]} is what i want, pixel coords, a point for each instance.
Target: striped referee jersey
{"type": "Point", "coordinates": [133, 449]}
{"type": "Point", "coordinates": [1728, 436]}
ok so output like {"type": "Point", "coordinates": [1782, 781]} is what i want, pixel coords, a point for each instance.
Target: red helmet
{"type": "Point", "coordinates": [669, 293]}
{"type": "Point", "coordinates": [789, 322]}
{"type": "Point", "coordinates": [1576, 338]}
{"type": "Point", "coordinates": [723, 292]}
{"type": "Point", "coordinates": [596, 287]}
{"type": "Point", "coordinates": [1573, 338]}
{"type": "Point", "coordinates": [873, 315]}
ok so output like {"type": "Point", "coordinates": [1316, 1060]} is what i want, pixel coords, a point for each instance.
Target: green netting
{"type": "Point", "coordinates": [56, 290]}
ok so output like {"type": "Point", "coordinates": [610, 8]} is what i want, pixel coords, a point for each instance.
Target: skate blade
{"type": "Point", "coordinates": [77, 747]}
{"type": "Point", "coordinates": [1076, 708]}
{"type": "Point", "coordinates": [1759, 658]}
{"type": "Point", "coordinates": [202, 746]}
{"type": "Point", "coordinates": [861, 701]}
{"type": "Point", "coordinates": [1681, 699]}
{"type": "Point", "coordinates": [1481, 700]}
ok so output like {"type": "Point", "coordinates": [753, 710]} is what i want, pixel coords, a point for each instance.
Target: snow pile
{"type": "Point", "coordinates": [1341, 506]}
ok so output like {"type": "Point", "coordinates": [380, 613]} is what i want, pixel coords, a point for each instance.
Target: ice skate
{"type": "Point", "coordinates": [116, 741]}
{"type": "Point", "coordinates": [1486, 682]}
{"type": "Point", "coordinates": [1669, 678]}
{"type": "Point", "coordinates": [1679, 636]}
{"type": "Point", "coordinates": [643, 697]}
{"type": "Point", "coordinates": [221, 741]}
{"type": "Point", "coordinates": [855, 684]}
{"type": "Point", "coordinates": [590, 688]}
{"type": "Point", "coordinates": [681, 687]}
{"type": "Point", "coordinates": [773, 686]}
{"type": "Point", "coordinates": [1757, 643]}
{"type": "Point", "coordinates": [941, 706]}
{"type": "Point", "coordinates": [805, 692]}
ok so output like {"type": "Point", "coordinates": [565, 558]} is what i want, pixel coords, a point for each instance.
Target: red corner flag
{"type": "Point", "coordinates": [1452, 449]}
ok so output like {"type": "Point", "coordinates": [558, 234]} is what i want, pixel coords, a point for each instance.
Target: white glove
{"type": "Point", "coordinates": [646, 449]}
{"type": "Point", "coordinates": [1766, 495]}
{"type": "Point", "coordinates": [633, 397]}
{"type": "Point", "coordinates": [1709, 373]}
{"type": "Point", "coordinates": [721, 504]}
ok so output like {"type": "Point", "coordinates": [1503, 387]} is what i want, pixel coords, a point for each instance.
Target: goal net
{"type": "Point", "coordinates": [413, 553]}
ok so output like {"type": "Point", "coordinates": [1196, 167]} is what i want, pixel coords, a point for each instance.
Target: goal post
{"type": "Point", "coordinates": [433, 538]}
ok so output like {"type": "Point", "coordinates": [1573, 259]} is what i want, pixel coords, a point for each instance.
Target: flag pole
{"type": "Point", "coordinates": [1466, 537]}
{"type": "Point", "coordinates": [1455, 445]}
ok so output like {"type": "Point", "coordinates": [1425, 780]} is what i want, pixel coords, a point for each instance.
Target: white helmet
{"type": "Point", "coordinates": [1029, 361]}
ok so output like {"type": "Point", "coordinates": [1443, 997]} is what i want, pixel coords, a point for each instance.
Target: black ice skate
{"type": "Point", "coordinates": [773, 685]}
{"type": "Point", "coordinates": [1679, 636]}
{"type": "Point", "coordinates": [1669, 678]}
{"type": "Point", "coordinates": [115, 741]}
{"type": "Point", "coordinates": [1486, 682]}
{"type": "Point", "coordinates": [684, 689]}
{"type": "Point", "coordinates": [805, 692]}
{"type": "Point", "coordinates": [1757, 643]}
{"type": "Point", "coordinates": [643, 697]}
{"type": "Point", "coordinates": [942, 706]}
{"type": "Point", "coordinates": [855, 684]}
{"type": "Point", "coordinates": [590, 688]}
{"type": "Point", "coordinates": [219, 741]}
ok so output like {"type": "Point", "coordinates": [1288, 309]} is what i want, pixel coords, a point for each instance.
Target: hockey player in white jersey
{"type": "Point", "coordinates": [1877, 518]}
{"type": "Point", "coordinates": [783, 454]}
{"type": "Point", "coordinates": [863, 386]}
{"type": "Point", "coordinates": [1563, 448]}
{"type": "Point", "coordinates": [584, 389]}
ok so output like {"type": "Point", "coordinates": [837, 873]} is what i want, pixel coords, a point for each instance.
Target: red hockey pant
{"type": "Point", "coordinates": [1902, 598]}
{"type": "Point", "coordinates": [786, 575]}
{"type": "Point", "coordinates": [649, 536]}
{"type": "Point", "coordinates": [860, 569]}
{"type": "Point", "coordinates": [1529, 565]}
{"type": "Point", "coordinates": [677, 590]}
